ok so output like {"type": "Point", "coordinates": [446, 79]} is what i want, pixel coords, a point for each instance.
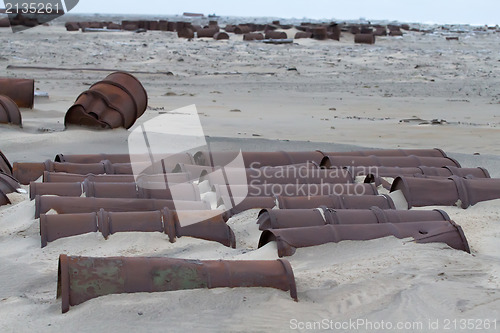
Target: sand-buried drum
{"type": "Point", "coordinates": [21, 91]}
{"type": "Point", "coordinates": [9, 112]}
{"type": "Point", "coordinates": [117, 101]}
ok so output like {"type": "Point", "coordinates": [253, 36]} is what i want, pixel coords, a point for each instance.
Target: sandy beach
{"type": "Point", "coordinates": [309, 95]}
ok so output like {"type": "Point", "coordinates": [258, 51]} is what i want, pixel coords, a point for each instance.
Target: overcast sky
{"type": "Point", "coordinates": [436, 11]}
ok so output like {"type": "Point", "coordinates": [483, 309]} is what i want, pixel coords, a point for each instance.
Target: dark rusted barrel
{"type": "Point", "coordinates": [7, 185]}
{"type": "Point", "coordinates": [76, 205]}
{"type": "Point", "coordinates": [21, 91]}
{"type": "Point", "coordinates": [272, 34]}
{"type": "Point", "coordinates": [300, 218]}
{"type": "Point", "coordinates": [320, 33]}
{"type": "Point", "coordinates": [395, 33]}
{"type": "Point", "coordinates": [387, 161]}
{"type": "Point", "coordinates": [288, 240]}
{"type": "Point", "coordinates": [336, 202]}
{"type": "Point", "coordinates": [117, 101]}
{"type": "Point", "coordinates": [241, 29]}
{"type": "Point", "coordinates": [380, 31]}
{"type": "Point", "coordinates": [229, 28]}
{"type": "Point", "coordinates": [303, 34]}
{"type": "Point", "coordinates": [114, 26]}
{"type": "Point", "coordinates": [9, 112]}
{"type": "Point", "coordinates": [185, 33]}
{"type": "Point", "coordinates": [452, 191]}
{"type": "Point", "coordinates": [72, 26]}
{"type": "Point", "coordinates": [253, 36]}
{"type": "Point", "coordinates": [364, 38]}
{"type": "Point", "coordinates": [4, 22]}
{"type": "Point", "coordinates": [131, 275]}
{"type": "Point", "coordinates": [221, 35]}
{"type": "Point", "coordinates": [207, 32]}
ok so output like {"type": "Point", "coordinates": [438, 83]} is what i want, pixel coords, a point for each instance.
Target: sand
{"type": "Point", "coordinates": [341, 96]}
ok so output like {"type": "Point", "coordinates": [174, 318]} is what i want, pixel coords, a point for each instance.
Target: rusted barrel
{"type": "Point", "coordinates": [221, 35]}
{"type": "Point", "coordinates": [241, 29]}
{"type": "Point", "coordinates": [380, 31]}
{"type": "Point", "coordinates": [185, 33]}
{"type": "Point", "coordinates": [21, 91]}
{"type": "Point", "coordinates": [7, 185]}
{"type": "Point", "coordinates": [272, 34]}
{"type": "Point", "coordinates": [320, 33]}
{"type": "Point", "coordinates": [272, 190]}
{"type": "Point", "coordinates": [77, 205]}
{"type": "Point", "coordinates": [131, 275]}
{"type": "Point", "coordinates": [436, 152]}
{"type": "Point", "coordinates": [9, 112]}
{"type": "Point", "coordinates": [207, 32]}
{"type": "Point", "coordinates": [72, 26]}
{"type": "Point", "coordinates": [288, 240]}
{"type": "Point", "coordinates": [257, 159]}
{"type": "Point", "coordinates": [387, 161]}
{"type": "Point", "coordinates": [394, 33]}
{"type": "Point", "coordinates": [364, 38]}
{"type": "Point", "coordinates": [303, 34]}
{"type": "Point", "coordinates": [229, 28]}
{"type": "Point", "coordinates": [253, 36]}
{"type": "Point", "coordinates": [5, 165]}
{"type": "Point", "coordinates": [382, 201]}
{"type": "Point", "coordinates": [452, 191]}
{"type": "Point", "coordinates": [117, 101]}
{"type": "Point", "coordinates": [300, 218]}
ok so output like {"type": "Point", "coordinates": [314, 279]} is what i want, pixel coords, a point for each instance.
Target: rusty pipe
{"type": "Point", "coordinates": [117, 275]}
{"type": "Point", "coordinates": [74, 205]}
{"type": "Point", "coordinates": [387, 161]}
{"type": "Point", "coordinates": [188, 192]}
{"type": "Point", "coordinates": [436, 152]}
{"type": "Point", "coordinates": [21, 91]}
{"type": "Point", "coordinates": [299, 218]}
{"type": "Point", "coordinates": [62, 177]}
{"type": "Point", "coordinates": [207, 225]}
{"type": "Point", "coordinates": [452, 191]}
{"type": "Point", "coordinates": [382, 201]}
{"type": "Point", "coordinates": [288, 240]}
{"type": "Point", "coordinates": [257, 159]}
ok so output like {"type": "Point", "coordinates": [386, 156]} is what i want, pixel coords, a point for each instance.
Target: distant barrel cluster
{"type": "Point", "coordinates": [363, 33]}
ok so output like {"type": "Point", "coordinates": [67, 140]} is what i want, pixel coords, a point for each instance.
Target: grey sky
{"type": "Point", "coordinates": [438, 11]}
